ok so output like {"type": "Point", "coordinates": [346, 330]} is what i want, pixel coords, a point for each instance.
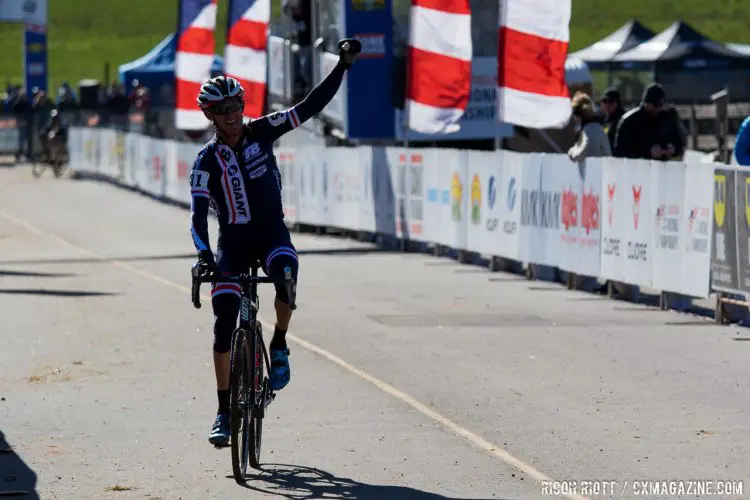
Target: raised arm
{"type": "Point", "coordinates": [281, 122]}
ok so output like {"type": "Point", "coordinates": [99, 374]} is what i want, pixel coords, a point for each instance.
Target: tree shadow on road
{"type": "Point", "coordinates": [17, 480]}
{"type": "Point", "coordinates": [101, 260]}
{"type": "Point", "coordinates": [32, 274]}
{"type": "Point", "coordinates": [299, 482]}
{"type": "Point", "coordinates": [54, 293]}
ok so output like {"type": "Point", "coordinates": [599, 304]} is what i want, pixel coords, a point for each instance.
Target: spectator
{"type": "Point", "coordinates": [742, 144]}
{"type": "Point", "coordinates": [139, 96]}
{"type": "Point", "coordinates": [117, 106]}
{"type": "Point", "coordinates": [66, 100]}
{"type": "Point", "coordinates": [613, 111]}
{"type": "Point", "coordinates": [65, 90]}
{"type": "Point", "coordinates": [651, 130]}
{"type": "Point", "coordinates": [741, 153]}
{"type": "Point", "coordinates": [591, 140]}
{"type": "Point", "coordinates": [22, 113]}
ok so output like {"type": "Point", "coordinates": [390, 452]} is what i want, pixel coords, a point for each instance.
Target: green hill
{"type": "Point", "coordinates": [723, 20]}
{"type": "Point", "coordinates": [86, 34]}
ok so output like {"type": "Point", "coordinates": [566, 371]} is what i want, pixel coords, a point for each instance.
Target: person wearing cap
{"type": "Point", "coordinates": [611, 106]}
{"type": "Point", "coordinates": [650, 130]}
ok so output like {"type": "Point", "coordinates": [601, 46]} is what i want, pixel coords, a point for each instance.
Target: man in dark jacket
{"type": "Point", "coordinates": [613, 111]}
{"type": "Point", "coordinates": [651, 130]}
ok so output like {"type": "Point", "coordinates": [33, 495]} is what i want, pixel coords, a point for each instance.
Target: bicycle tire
{"type": "Point", "coordinates": [59, 169]}
{"type": "Point", "coordinates": [239, 409]}
{"type": "Point", "coordinates": [37, 169]}
{"type": "Point", "coordinates": [259, 392]}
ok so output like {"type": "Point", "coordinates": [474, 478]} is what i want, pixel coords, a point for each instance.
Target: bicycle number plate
{"type": "Point", "coordinates": [245, 309]}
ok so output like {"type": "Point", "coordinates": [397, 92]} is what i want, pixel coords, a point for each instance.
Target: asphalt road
{"type": "Point", "coordinates": [412, 377]}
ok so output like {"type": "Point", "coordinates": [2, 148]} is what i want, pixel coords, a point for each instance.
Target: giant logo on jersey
{"type": "Point", "coordinates": [233, 186]}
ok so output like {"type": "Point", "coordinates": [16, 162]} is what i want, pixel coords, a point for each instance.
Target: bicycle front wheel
{"type": "Point", "coordinates": [258, 393]}
{"type": "Point", "coordinates": [240, 404]}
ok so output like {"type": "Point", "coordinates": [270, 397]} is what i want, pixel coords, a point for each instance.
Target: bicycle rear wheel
{"type": "Point", "coordinates": [239, 416]}
{"type": "Point", "coordinates": [258, 393]}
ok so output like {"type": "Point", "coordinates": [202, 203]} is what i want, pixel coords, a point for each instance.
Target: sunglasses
{"type": "Point", "coordinates": [228, 106]}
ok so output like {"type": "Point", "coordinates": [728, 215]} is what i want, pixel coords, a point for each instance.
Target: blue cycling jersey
{"type": "Point", "coordinates": [243, 184]}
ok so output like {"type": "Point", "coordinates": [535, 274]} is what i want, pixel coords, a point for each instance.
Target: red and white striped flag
{"type": "Point", "coordinates": [532, 48]}
{"type": "Point", "coordinates": [195, 55]}
{"type": "Point", "coordinates": [245, 53]}
{"type": "Point", "coordinates": [439, 62]}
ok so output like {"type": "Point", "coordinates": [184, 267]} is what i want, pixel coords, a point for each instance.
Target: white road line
{"type": "Point", "coordinates": [473, 438]}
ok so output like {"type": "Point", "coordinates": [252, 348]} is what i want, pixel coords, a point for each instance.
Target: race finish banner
{"type": "Point", "coordinates": [724, 272]}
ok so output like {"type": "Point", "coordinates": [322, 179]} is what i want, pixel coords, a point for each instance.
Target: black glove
{"type": "Point", "coordinates": [348, 50]}
{"type": "Point", "coordinates": [206, 262]}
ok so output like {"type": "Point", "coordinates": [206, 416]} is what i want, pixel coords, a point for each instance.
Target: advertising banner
{"type": "Point", "coordinates": [508, 204]}
{"type": "Point", "coordinates": [668, 225]}
{"type": "Point", "coordinates": [35, 57]}
{"type": "Point", "coordinates": [724, 263]}
{"type": "Point", "coordinates": [743, 228]}
{"type": "Point", "coordinates": [369, 105]}
{"type": "Point", "coordinates": [24, 11]}
{"type": "Point", "coordinates": [484, 217]}
{"type": "Point", "coordinates": [286, 159]}
{"type": "Point", "coordinates": [696, 259]}
{"type": "Point", "coordinates": [639, 222]}
{"type": "Point", "coordinates": [580, 193]}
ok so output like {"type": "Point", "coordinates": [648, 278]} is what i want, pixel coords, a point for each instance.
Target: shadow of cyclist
{"type": "Point", "coordinates": [299, 482]}
{"type": "Point", "coordinates": [16, 478]}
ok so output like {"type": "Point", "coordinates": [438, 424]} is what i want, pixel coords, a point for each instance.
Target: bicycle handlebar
{"type": "Point", "coordinates": [242, 279]}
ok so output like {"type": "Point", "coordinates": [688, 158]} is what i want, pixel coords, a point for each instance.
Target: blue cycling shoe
{"type": "Point", "coordinates": [220, 432]}
{"type": "Point", "coordinates": [280, 372]}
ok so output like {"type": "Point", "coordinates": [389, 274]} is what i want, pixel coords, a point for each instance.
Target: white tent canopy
{"type": "Point", "coordinates": [577, 71]}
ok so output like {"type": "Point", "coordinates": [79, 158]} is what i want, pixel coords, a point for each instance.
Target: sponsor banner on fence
{"type": "Point", "coordinates": [633, 221]}
{"type": "Point", "coordinates": [178, 171]}
{"type": "Point", "coordinates": [696, 259]}
{"type": "Point", "coordinates": [668, 225]}
{"type": "Point", "coordinates": [724, 272]}
{"type": "Point", "coordinates": [484, 217]}
{"type": "Point", "coordinates": [579, 187]}
{"type": "Point", "coordinates": [508, 204]}
{"type": "Point", "coordinates": [541, 204]}
{"type": "Point", "coordinates": [743, 229]}
{"type": "Point", "coordinates": [286, 160]}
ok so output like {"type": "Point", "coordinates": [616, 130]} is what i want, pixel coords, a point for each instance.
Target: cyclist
{"type": "Point", "coordinates": [236, 174]}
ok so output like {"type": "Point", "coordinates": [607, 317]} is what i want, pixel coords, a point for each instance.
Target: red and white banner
{"type": "Point", "coordinates": [195, 55]}
{"type": "Point", "coordinates": [440, 51]}
{"type": "Point", "coordinates": [245, 53]}
{"type": "Point", "coordinates": [532, 48]}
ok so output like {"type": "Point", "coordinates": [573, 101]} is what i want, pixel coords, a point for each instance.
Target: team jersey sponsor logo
{"type": "Point", "coordinates": [233, 186]}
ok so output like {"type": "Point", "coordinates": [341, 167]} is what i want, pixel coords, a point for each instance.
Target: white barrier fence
{"type": "Point", "coordinates": [633, 221]}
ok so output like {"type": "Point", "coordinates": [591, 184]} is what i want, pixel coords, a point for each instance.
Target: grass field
{"type": "Point", "coordinates": [86, 34]}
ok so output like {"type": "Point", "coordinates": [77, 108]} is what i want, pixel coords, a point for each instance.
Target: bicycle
{"type": "Point", "coordinates": [248, 401]}
{"type": "Point", "coordinates": [54, 156]}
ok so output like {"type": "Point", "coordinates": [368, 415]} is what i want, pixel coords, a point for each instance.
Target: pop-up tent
{"type": "Point", "coordinates": [599, 54]}
{"type": "Point", "coordinates": [690, 65]}
{"type": "Point", "coordinates": [156, 70]}
{"type": "Point", "coordinates": [679, 43]}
